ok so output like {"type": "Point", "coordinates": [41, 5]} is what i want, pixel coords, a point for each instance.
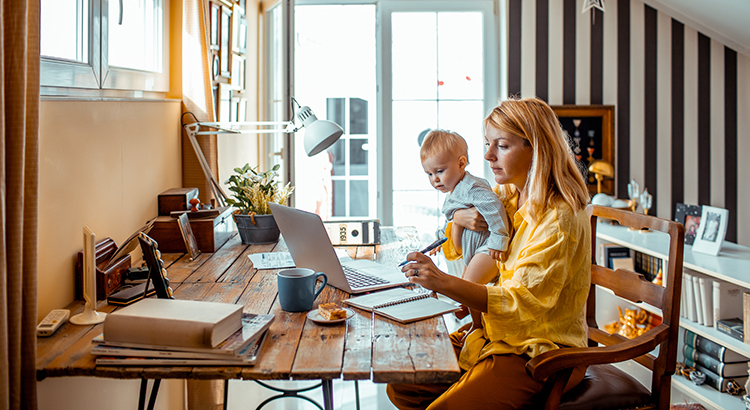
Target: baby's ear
{"type": "Point", "coordinates": [462, 161]}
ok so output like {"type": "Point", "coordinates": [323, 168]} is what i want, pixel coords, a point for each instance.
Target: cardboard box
{"type": "Point", "coordinates": [176, 199]}
{"type": "Point", "coordinates": [210, 233]}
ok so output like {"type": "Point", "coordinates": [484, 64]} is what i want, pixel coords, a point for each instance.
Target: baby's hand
{"type": "Point", "coordinates": [497, 255]}
{"type": "Point", "coordinates": [435, 251]}
{"type": "Point", "coordinates": [460, 314]}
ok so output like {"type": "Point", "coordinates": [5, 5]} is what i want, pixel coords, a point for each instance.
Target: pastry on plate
{"type": "Point", "coordinates": [331, 311]}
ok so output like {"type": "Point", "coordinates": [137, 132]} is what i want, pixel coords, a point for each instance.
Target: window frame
{"type": "Point", "coordinates": [62, 77]}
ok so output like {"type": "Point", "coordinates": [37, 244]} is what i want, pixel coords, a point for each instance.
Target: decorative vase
{"type": "Point", "coordinates": [263, 231]}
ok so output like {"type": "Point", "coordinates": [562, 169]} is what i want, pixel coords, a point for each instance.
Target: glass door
{"type": "Point", "coordinates": [439, 71]}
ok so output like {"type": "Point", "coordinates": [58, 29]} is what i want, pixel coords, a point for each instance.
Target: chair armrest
{"type": "Point", "coordinates": [547, 363]}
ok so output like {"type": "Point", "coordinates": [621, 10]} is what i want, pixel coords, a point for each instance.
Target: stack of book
{"type": "Point", "coordinates": [168, 332]}
{"type": "Point", "coordinates": [718, 363]}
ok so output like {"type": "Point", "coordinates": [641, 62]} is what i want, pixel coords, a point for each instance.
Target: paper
{"type": "Point", "coordinates": [272, 260]}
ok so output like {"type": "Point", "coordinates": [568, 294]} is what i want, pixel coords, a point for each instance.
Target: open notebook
{"type": "Point", "coordinates": [402, 305]}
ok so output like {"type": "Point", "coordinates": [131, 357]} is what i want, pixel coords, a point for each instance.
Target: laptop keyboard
{"type": "Point", "coordinates": [359, 280]}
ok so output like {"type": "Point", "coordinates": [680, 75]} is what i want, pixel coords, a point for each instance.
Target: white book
{"type": "Point", "coordinates": [727, 300]}
{"type": "Point", "coordinates": [683, 304]}
{"type": "Point", "coordinates": [707, 300]}
{"type": "Point", "coordinates": [689, 297]}
{"type": "Point", "coordinates": [172, 322]}
{"type": "Point", "coordinates": [698, 302]}
{"type": "Point", "coordinates": [253, 325]}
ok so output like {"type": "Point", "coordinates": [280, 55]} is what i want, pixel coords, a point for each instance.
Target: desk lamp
{"type": "Point", "coordinates": [319, 135]}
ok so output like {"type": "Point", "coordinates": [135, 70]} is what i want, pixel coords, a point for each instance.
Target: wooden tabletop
{"type": "Point", "coordinates": [363, 347]}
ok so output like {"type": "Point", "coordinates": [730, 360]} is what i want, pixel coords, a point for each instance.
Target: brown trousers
{"type": "Point", "coordinates": [496, 382]}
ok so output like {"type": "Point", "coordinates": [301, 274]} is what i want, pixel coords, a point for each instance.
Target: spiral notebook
{"type": "Point", "coordinates": [402, 305]}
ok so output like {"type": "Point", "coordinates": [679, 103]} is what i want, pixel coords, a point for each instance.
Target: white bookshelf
{"type": "Point", "coordinates": [731, 265]}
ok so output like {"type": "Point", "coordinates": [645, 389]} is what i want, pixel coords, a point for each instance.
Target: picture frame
{"type": "Point", "coordinates": [187, 236]}
{"type": "Point", "coordinates": [690, 217]}
{"type": "Point", "coordinates": [712, 230]}
{"type": "Point", "coordinates": [595, 125]}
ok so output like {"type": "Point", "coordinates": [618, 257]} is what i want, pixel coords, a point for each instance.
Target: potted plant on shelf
{"type": "Point", "coordinates": [252, 191]}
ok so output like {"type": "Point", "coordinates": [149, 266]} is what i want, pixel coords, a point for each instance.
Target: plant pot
{"type": "Point", "coordinates": [264, 231]}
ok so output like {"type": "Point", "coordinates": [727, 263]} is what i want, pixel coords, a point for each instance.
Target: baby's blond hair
{"type": "Point", "coordinates": [439, 141]}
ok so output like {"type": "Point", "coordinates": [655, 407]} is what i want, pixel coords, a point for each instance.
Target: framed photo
{"type": "Point", "coordinates": [187, 235]}
{"type": "Point", "coordinates": [690, 217]}
{"type": "Point", "coordinates": [712, 229]}
{"type": "Point", "coordinates": [591, 131]}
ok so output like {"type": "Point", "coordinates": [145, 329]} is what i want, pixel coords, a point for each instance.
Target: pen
{"type": "Point", "coordinates": [427, 249]}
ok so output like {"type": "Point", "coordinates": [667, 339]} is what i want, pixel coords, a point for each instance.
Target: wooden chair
{"type": "Point", "coordinates": [605, 386]}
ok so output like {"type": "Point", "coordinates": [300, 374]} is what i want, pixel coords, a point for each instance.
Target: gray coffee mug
{"type": "Point", "coordinates": [297, 288]}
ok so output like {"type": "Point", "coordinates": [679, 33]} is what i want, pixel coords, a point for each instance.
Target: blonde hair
{"type": "Point", "coordinates": [439, 141]}
{"type": "Point", "coordinates": [553, 173]}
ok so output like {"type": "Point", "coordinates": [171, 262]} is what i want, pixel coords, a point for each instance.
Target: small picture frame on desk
{"type": "Point", "coordinates": [690, 217]}
{"type": "Point", "coordinates": [712, 230]}
{"type": "Point", "coordinates": [187, 235]}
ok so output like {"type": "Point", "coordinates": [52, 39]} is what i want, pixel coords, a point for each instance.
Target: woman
{"type": "Point", "coordinates": [538, 303]}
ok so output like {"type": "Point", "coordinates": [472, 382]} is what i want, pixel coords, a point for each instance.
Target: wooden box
{"type": "Point", "coordinates": [176, 199]}
{"type": "Point", "coordinates": [109, 280]}
{"type": "Point", "coordinates": [210, 233]}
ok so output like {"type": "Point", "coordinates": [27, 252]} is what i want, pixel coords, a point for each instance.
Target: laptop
{"type": "Point", "coordinates": [310, 247]}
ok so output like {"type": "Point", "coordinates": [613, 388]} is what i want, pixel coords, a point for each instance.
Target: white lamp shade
{"type": "Point", "coordinates": [319, 134]}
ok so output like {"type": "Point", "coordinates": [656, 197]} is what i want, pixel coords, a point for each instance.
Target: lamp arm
{"type": "Point", "coordinates": [192, 131]}
{"type": "Point", "coordinates": [223, 128]}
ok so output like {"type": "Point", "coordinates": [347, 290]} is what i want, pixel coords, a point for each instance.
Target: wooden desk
{"type": "Point", "coordinates": [362, 348]}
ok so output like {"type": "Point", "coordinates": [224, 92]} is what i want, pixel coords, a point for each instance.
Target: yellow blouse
{"type": "Point", "coordinates": [538, 302]}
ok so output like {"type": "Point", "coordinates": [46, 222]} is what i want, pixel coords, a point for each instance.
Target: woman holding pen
{"type": "Point", "coordinates": [538, 303]}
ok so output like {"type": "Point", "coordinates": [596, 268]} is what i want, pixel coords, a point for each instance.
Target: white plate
{"type": "Point", "coordinates": [315, 316]}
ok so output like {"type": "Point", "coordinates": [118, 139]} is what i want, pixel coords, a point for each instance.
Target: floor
{"type": "Point", "coordinates": [247, 395]}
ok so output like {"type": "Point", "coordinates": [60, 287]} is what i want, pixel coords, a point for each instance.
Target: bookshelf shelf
{"type": "Point", "coordinates": [731, 265]}
{"type": "Point", "coordinates": [709, 397]}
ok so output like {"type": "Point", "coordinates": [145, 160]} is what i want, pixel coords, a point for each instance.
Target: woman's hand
{"type": "Point", "coordinates": [422, 271]}
{"type": "Point", "coordinates": [470, 218]}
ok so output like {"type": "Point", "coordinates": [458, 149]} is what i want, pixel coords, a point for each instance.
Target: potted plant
{"type": "Point", "coordinates": [252, 191]}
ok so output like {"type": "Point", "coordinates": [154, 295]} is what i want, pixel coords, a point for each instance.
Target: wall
{"type": "Point", "coordinates": [102, 164]}
{"type": "Point", "coordinates": [679, 96]}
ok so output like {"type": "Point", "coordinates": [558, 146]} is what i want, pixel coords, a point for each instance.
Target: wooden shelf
{"type": "Point", "coordinates": [731, 265]}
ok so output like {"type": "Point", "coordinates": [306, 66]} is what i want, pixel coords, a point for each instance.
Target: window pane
{"type": "Point", "coordinates": [335, 110]}
{"type": "Point", "coordinates": [459, 55]}
{"type": "Point", "coordinates": [410, 119]}
{"type": "Point", "coordinates": [338, 157]}
{"type": "Point", "coordinates": [135, 34]}
{"type": "Point", "coordinates": [334, 54]}
{"type": "Point", "coordinates": [358, 198]}
{"type": "Point", "coordinates": [357, 116]}
{"type": "Point", "coordinates": [420, 209]}
{"type": "Point", "coordinates": [465, 118]}
{"type": "Point", "coordinates": [414, 56]}
{"type": "Point", "coordinates": [339, 198]}
{"type": "Point", "coordinates": [65, 29]}
{"type": "Point", "coordinates": [358, 156]}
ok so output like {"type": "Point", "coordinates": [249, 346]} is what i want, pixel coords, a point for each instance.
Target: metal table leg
{"type": "Point", "coordinates": [294, 393]}
{"type": "Point", "coordinates": [327, 393]}
{"type": "Point", "coordinates": [152, 398]}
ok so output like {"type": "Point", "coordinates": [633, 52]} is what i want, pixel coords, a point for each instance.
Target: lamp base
{"type": "Point", "coordinates": [88, 317]}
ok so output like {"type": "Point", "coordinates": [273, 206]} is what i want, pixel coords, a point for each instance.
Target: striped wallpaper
{"type": "Point", "coordinates": [678, 95]}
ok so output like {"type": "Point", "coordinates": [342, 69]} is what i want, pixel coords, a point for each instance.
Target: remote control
{"type": "Point", "coordinates": [52, 322]}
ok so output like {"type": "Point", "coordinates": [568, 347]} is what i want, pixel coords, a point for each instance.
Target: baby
{"type": "Point", "coordinates": [444, 157]}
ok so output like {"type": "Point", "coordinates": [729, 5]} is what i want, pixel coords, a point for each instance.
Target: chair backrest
{"type": "Point", "coordinates": [636, 288]}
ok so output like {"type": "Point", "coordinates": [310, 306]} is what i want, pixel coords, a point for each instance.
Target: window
{"type": "Point", "coordinates": [103, 45]}
{"type": "Point", "coordinates": [393, 69]}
